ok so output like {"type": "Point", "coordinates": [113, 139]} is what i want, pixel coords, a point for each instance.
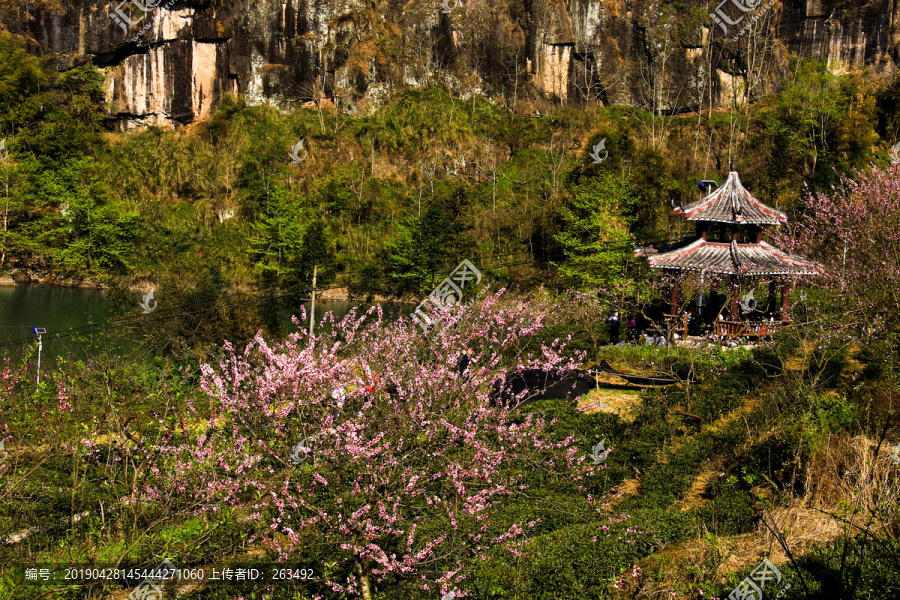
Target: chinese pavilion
{"type": "Point", "coordinates": [728, 243]}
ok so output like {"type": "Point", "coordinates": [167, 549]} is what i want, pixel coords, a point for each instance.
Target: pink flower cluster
{"type": "Point", "coordinates": [404, 467]}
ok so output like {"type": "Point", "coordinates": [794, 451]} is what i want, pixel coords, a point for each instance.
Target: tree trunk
{"type": "Point", "coordinates": [363, 581]}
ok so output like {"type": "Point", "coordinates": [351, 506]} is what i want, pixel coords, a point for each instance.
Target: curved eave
{"type": "Point", "coordinates": [733, 222]}
{"type": "Point", "coordinates": [744, 273]}
{"type": "Point", "coordinates": [746, 260]}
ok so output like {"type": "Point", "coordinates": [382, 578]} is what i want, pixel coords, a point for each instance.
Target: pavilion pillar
{"type": "Point", "coordinates": [772, 299]}
{"type": "Point", "coordinates": [673, 308]}
{"type": "Point", "coordinates": [735, 300]}
{"type": "Point", "coordinates": [785, 301]}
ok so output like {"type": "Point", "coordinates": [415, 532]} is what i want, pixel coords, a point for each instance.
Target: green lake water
{"type": "Point", "coordinates": [79, 322]}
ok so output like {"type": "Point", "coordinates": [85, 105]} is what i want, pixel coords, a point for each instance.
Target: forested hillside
{"type": "Point", "coordinates": [387, 200]}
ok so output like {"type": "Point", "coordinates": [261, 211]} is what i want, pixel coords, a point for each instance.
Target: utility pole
{"type": "Point", "coordinates": [312, 307]}
{"type": "Point", "coordinates": [39, 331]}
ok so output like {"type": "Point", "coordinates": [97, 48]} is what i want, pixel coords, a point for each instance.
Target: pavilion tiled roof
{"type": "Point", "coordinates": [731, 258]}
{"type": "Point", "coordinates": [732, 203]}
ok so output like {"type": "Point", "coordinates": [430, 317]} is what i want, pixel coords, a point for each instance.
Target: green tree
{"type": "Point", "coordinates": [13, 177]}
{"type": "Point", "coordinates": [55, 116]}
{"type": "Point", "coordinates": [65, 219]}
{"type": "Point", "coordinates": [316, 251]}
{"type": "Point", "coordinates": [652, 184]}
{"type": "Point", "coordinates": [423, 248]}
{"type": "Point", "coordinates": [23, 83]}
{"type": "Point", "coordinates": [821, 126]}
{"type": "Point", "coordinates": [278, 234]}
{"type": "Point", "coordinates": [807, 110]}
{"type": "Point", "coordinates": [89, 234]}
{"type": "Point", "coordinates": [594, 234]}
{"type": "Point", "coordinates": [285, 246]}
{"type": "Point", "coordinates": [437, 237]}
{"type": "Point", "coordinates": [406, 271]}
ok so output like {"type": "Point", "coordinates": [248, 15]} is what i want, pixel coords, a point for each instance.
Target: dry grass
{"type": "Point", "coordinates": [613, 395]}
{"type": "Point", "coordinates": [846, 476]}
{"type": "Point", "coordinates": [694, 496]}
{"type": "Point", "coordinates": [618, 401]}
{"type": "Point", "coordinates": [845, 483]}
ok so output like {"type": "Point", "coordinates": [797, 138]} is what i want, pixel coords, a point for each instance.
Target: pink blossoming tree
{"type": "Point", "coordinates": [853, 232]}
{"type": "Point", "coordinates": [368, 443]}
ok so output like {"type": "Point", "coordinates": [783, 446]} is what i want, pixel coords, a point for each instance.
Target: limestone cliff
{"type": "Point", "coordinates": [169, 62]}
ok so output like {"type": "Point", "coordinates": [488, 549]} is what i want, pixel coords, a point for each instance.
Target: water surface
{"type": "Point", "coordinates": [80, 322]}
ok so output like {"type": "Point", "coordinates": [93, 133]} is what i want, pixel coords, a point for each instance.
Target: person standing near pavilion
{"type": "Point", "coordinates": [631, 332]}
{"type": "Point", "coordinates": [614, 324]}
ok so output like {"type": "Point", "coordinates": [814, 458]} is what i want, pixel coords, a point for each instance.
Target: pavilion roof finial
{"type": "Point", "coordinates": [732, 203]}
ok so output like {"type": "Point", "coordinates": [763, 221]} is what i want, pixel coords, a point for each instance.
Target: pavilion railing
{"type": "Point", "coordinates": [731, 329]}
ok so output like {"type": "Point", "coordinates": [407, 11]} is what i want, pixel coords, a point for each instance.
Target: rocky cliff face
{"type": "Point", "coordinates": [169, 62]}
